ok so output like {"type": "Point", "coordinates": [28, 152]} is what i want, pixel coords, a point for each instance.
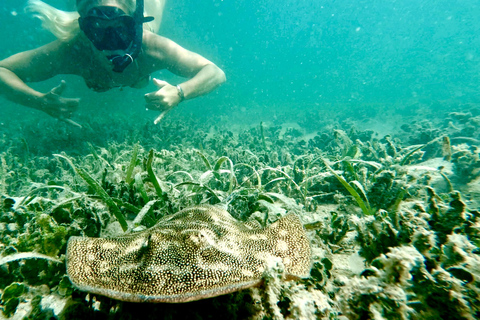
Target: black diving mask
{"type": "Point", "coordinates": [108, 28]}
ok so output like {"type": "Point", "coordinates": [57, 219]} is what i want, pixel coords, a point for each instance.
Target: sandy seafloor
{"type": "Point", "coordinates": [402, 243]}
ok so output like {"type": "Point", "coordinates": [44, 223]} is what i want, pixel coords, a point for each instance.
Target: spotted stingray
{"type": "Point", "coordinates": [197, 253]}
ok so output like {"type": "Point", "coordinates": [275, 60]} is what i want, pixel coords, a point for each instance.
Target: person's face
{"type": "Point", "coordinates": [108, 27]}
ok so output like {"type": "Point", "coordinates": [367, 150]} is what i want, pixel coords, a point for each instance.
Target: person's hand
{"type": "Point", "coordinates": [59, 107]}
{"type": "Point", "coordinates": [164, 99]}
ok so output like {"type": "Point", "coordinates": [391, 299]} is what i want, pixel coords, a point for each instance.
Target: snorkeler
{"type": "Point", "coordinates": [108, 45]}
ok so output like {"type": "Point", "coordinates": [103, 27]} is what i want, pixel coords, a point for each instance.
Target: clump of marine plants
{"type": "Point", "coordinates": [358, 195]}
{"type": "Point", "coordinates": [466, 162]}
{"type": "Point", "coordinates": [423, 261]}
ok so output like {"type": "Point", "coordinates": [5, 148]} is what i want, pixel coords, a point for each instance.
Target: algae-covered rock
{"type": "Point", "coordinates": [11, 297]}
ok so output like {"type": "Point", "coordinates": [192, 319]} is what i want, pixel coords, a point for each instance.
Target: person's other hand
{"type": "Point", "coordinates": [59, 107]}
{"type": "Point", "coordinates": [164, 99]}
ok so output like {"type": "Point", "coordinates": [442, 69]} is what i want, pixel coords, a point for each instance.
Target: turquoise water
{"type": "Point", "coordinates": [302, 55]}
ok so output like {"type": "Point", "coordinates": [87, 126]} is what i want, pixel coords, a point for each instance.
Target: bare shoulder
{"type": "Point", "coordinates": [156, 51]}
{"type": "Point", "coordinates": [167, 54]}
{"type": "Point", "coordinates": [157, 46]}
{"type": "Point", "coordinates": [43, 62]}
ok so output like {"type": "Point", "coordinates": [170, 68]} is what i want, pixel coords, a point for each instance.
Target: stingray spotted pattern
{"type": "Point", "coordinates": [197, 253]}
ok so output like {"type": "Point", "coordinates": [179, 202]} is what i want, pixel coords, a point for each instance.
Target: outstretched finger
{"type": "Point", "coordinates": [58, 90]}
{"type": "Point", "coordinates": [70, 121]}
{"type": "Point", "coordinates": [160, 117]}
{"type": "Point", "coordinates": [149, 97]}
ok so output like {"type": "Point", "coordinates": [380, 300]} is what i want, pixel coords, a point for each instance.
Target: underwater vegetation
{"type": "Point", "coordinates": [392, 221]}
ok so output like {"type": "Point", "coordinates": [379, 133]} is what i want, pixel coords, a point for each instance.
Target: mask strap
{"type": "Point", "coordinates": [121, 62]}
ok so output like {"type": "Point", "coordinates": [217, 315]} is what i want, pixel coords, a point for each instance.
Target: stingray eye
{"type": "Point", "coordinates": [144, 247]}
{"type": "Point", "coordinates": [147, 241]}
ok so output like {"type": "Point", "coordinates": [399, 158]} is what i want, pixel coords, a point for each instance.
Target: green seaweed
{"type": "Point", "coordinates": [200, 186]}
{"type": "Point", "coordinates": [132, 164]}
{"type": "Point", "coordinates": [126, 205]}
{"type": "Point", "coordinates": [205, 160]}
{"type": "Point", "coordinates": [152, 176]}
{"type": "Point", "coordinates": [285, 176]}
{"type": "Point", "coordinates": [100, 191]}
{"type": "Point", "coordinates": [105, 197]}
{"type": "Point", "coordinates": [363, 204]}
{"type": "Point", "coordinates": [27, 255]}
{"type": "Point", "coordinates": [180, 172]}
{"type": "Point", "coordinates": [29, 197]}
{"type": "Point", "coordinates": [216, 171]}
{"type": "Point", "coordinates": [141, 187]}
{"type": "Point", "coordinates": [10, 297]}
{"type": "Point", "coordinates": [254, 174]}
{"type": "Point", "coordinates": [449, 183]}
{"type": "Point", "coordinates": [143, 212]}
{"type": "Point", "coordinates": [409, 154]}
{"type": "Point", "coordinates": [93, 152]}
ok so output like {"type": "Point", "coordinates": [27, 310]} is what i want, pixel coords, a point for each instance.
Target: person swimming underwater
{"type": "Point", "coordinates": [109, 43]}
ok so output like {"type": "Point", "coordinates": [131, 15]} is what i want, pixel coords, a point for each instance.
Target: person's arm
{"type": "Point", "coordinates": [203, 75]}
{"type": "Point", "coordinates": [32, 66]}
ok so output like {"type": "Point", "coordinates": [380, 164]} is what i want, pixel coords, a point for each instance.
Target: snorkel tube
{"type": "Point", "coordinates": [120, 62]}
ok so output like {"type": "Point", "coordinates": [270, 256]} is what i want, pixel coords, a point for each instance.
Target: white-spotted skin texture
{"type": "Point", "coordinates": [197, 253]}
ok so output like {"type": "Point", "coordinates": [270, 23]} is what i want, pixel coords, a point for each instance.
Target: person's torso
{"type": "Point", "coordinates": [98, 72]}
